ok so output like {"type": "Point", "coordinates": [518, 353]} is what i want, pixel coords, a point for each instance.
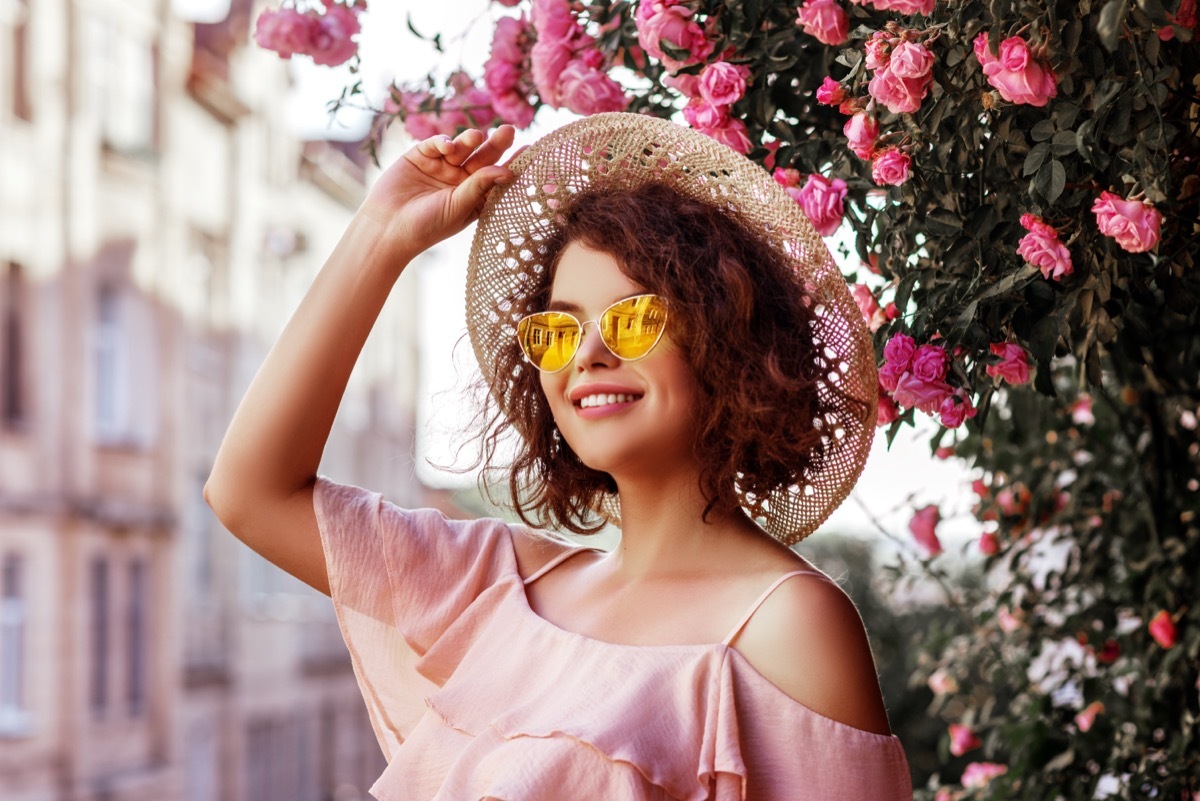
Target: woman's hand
{"type": "Point", "coordinates": [438, 187]}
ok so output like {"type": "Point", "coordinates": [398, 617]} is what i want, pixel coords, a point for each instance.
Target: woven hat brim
{"type": "Point", "coordinates": [624, 151]}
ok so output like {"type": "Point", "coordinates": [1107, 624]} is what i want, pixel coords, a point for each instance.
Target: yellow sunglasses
{"type": "Point", "coordinates": [630, 329]}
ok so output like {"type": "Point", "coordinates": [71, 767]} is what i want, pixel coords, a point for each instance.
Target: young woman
{"type": "Point", "coordinates": [676, 353]}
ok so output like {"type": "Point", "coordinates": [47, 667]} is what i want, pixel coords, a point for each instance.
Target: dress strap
{"type": "Point", "coordinates": [766, 594]}
{"type": "Point", "coordinates": [555, 562]}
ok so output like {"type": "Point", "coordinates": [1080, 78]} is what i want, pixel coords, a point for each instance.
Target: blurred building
{"type": "Point", "coordinates": [158, 223]}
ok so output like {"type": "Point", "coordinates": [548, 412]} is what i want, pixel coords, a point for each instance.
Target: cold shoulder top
{"type": "Point", "coordinates": [474, 696]}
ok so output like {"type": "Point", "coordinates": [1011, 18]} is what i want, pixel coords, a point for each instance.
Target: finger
{"type": "Point", "coordinates": [471, 193]}
{"type": "Point", "coordinates": [463, 146]}
{"type": "Point", "coordinates": [492, 149]}
{"type": "Point", "coordinates": [435, 147]}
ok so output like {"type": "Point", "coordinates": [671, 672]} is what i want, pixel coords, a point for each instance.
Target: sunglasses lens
{"type": "Point", "coordinates": [549, 339]}
{"type": "Point", "coordinates": [633, 327]}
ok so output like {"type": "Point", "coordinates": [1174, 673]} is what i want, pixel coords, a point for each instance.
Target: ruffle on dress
{"type": "Point", "coordinates": [474, 696]}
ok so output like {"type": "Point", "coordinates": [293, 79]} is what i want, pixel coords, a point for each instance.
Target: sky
{"type": "Point", "coordinates": [896, 481]}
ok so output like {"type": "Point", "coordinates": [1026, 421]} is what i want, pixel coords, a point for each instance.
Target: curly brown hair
{"type": "Point", "coordinates": [739, 317]}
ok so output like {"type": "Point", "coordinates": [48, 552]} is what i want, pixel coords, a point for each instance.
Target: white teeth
{"type": "Point", "coordinates": [601, 400]}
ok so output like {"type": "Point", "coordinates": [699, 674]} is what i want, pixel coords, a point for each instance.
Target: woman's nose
{"type": "Point", "coordinates": [592, 350]}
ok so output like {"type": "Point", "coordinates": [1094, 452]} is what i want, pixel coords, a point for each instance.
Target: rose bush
{"type": "Point", "coordinates": [1044, 239]}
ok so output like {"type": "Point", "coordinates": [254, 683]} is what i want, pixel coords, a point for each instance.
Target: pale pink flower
{"type": "Point", "coordinates": [962, 739]}
{"type": "Point", "coordinates": [554, 21]}
{"type": "Point", "coordinates": [942, 682]}
{"type": "Point", "coordinates": [922, 527]}
{"type": "Point", "coordinates": [830, 92]}
{"type": "Point", "coordinates": [548, 60]}
{"type": "Point", "coordinates": [686, 85]}
{"type": "Point", "coordinates": [514, 108]}
{"type": "Point", "coordinates": [1015, 73]}
{"type": "Point", "coordinates": [869, 306]}
{"type": "Point", "coordinates": [900, 95]}
{"type": "Point", "coordinates": [1081, 411]}
{"type": "Point", "coordinates": [1135, 224]}
{"type": "Point", "coordinates": [699, 113]}
{"type": "Point", "coordinates": [911, 60]}
{"type": "Point", "coordinates": [824, 19]}
{"type": "Point", "coordinates": [508, 3]}
{"type": "Point", "coordinates": [879, 49]}
{"type": "Point", "coordinates": [890, 166]}
{"type": "Point", "coordinates": [285, 31]}
{"type": "Point", "coordinates": [732, 133]}
{"type": "Point", "coordinates": [722, 83]}
{"type": "Point", "coordinates": [928, 396]}
{"type": "Point", "coordinates": [585, 90]}
{"type": "Point", "coordinates": [1014, 365]}
{"type": "Point", "coordinates": [978, 774]}
{"type": "Point", "coordinates": [1042, 248]}
{"type": "Point", "coordinates": [500, 76]}
{"type": "Point", "coordinates": [511, 40]}
{"type": "Point", "coordinates": [821, 199]}
{"type": "Point", "coordinates": [902, 6]}
{"type": "Point", "coordinates": [1162, 629]}
{"type": "Point", "coordinates": [663, 26]}
{"type": "Point", "coordinates": [1008, 621]}
{"type": "Point", "coordinates": [1086, 718]}
{"type": "Point", "coordinates": [988, 544]}
{"type": "Point", "coordinates": [332, 35]}
{"type": "Point", "coordinates": [861, 131]}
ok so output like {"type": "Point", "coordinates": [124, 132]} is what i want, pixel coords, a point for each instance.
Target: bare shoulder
{"type": "Point", "coordinates": [535, 547]}
{"type": "Point", "coordinates": [809, 641]}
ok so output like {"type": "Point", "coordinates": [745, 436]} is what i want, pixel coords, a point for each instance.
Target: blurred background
{"type": "Point", "coordinates": [167, 193]}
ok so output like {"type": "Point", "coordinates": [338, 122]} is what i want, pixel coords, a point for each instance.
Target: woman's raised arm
{"type": "Point", "coordinates": [262, 481]}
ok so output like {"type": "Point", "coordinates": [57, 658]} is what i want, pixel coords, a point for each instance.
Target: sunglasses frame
{"type": "Point", "coordinates": [581, 323]}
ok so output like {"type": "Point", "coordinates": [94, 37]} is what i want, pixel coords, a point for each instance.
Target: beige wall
{"type": "Point", "coordinates": [165, 225]}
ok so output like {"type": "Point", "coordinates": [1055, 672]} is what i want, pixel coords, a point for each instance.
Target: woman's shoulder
{"type": "Point", "coordinates": [807, 638]}
{"type": "Point", "coordinates": [535, 548]}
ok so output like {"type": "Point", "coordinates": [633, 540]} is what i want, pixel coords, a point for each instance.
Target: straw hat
{"type": "Point", "coordinates": [625, 151]}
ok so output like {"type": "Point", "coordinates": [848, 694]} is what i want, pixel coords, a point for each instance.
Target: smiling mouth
{"type": "Point", "coordinates": [592, 401]}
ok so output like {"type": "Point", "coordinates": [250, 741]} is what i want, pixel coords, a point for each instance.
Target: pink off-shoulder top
{"type": "Point", "coordinates": [474, 696]}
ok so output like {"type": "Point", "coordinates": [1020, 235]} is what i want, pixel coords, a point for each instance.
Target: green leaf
{"type": "Point", "coordinates": [1111, 23]}
{"type": "Point", "coordinates": [943, 222]}
{"type": "Point", "coordinates": [1050, 180]}
{"type": "Point", "coordinates": [1043, 130]}
{"type": "Point", "coordinates": [1035, 159]}
{"type": "Point", "coordinates": [1064, 142]}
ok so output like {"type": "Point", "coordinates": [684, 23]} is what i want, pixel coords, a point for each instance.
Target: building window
{"type": "Point", "coordinates": [123, 87]}
{"type": "Point", "coordinates": [14, 717]}
{"type": "Point", "coordinates": [112, 365]}
{"type": "Point", "coordinates": [19, 14]}
{"type": "Point", "coordinates": [100, 593]}
{"type": "Point", "coordinates": [12, 346]}
{"type": "Point", "coordinates": [135, 639]}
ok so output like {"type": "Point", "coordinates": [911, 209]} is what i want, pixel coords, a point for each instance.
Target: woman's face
{"type": "Point", "coordinates": [620, 417]}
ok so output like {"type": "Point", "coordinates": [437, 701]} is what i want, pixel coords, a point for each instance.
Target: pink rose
{"type": "Point", "coordinates": [500, 76]}
{"type": "Point", "coordinates": [548, 60]}
{"type": "Point", "coordinates": [824, 19]}
{"type": "Point", "coordinates": [861, 131]}
{"type": "Point", "coordinates": [956, 409]}
{"type": "Point", "coordinates": [900, 95]}
{"type": "Point", "coordinates": [890, 166]}
{"type": "Point", "coordinates": [1162, 629]}
{"type": "Point", "coordinates": [904, 6]}
{"type": "Point", "coordinates": [1008, 621]}
{"type": "Point", "coordinates": [508, 3]}
{"type": "Point", "coordinates": [889, 376]}
{"type": "Point", "coordinates": [554, 21]}
{"type": "Point", "coordinates": [1015, 73]}
{"type": "Point", "coordinates": [821, 200]}
{"type": "Point", "coordinates": [586, 90]}
{"type": "Point", "coordinates": [869, 306]}
{"type": "Point", "coordinates": [879, 49]}
{"type": "Point", "coordinates": [978, 774]}
{"type": "Point", "coordinates": [899, 352]}
{"type": "Point", "coordinates": [664, 26]}
{"type": "Point", "coordinates": [1041, 248]}
{"type": "Point", "coordinates": [942, 683]}
{"type": "Point", "coordinates": [1081, 411]}
{"type": "Point", "coordinates": [514, 108]}
{"type": "Point", "coordinates": [988, 544]}
{"type": "Point", "coordinates": [699, 113]}
{"type": "Point", "coordinates": [928, 396]}
{"type": "Point", "coordinates": [511, 40]}
{"type": "Point", "coordinates": [830, 92]}
{"type": "Point", "coordinates": [962, 739]}
{"type": "Point", "coordinates": [922, 527]}
{"type": "Point", "coordinates": [911, 60]}
{"type": "Point", "coordinates": [286, 31]}
{"type": "Point", "coordinates": [331, 36]}
{"type": "Point", "coordinates": [1086, 718]}
{"type": "Point", "coordinates": [929, 363]}
{"type": "Point", "coordinates": [1014, 364]}
{"type": "Point", "coordinates": [944, 452]}
{"type": "Point", "coordinates": [1185, 17]}
{"type": "Point", "coordinates": [1134, 224]}
{"type": "Point", "coordinates": [888, 411]}
{"type": "Point", "coordinates": [723, 84]}
{"type": "Point", "coordinates": [731, 133]}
